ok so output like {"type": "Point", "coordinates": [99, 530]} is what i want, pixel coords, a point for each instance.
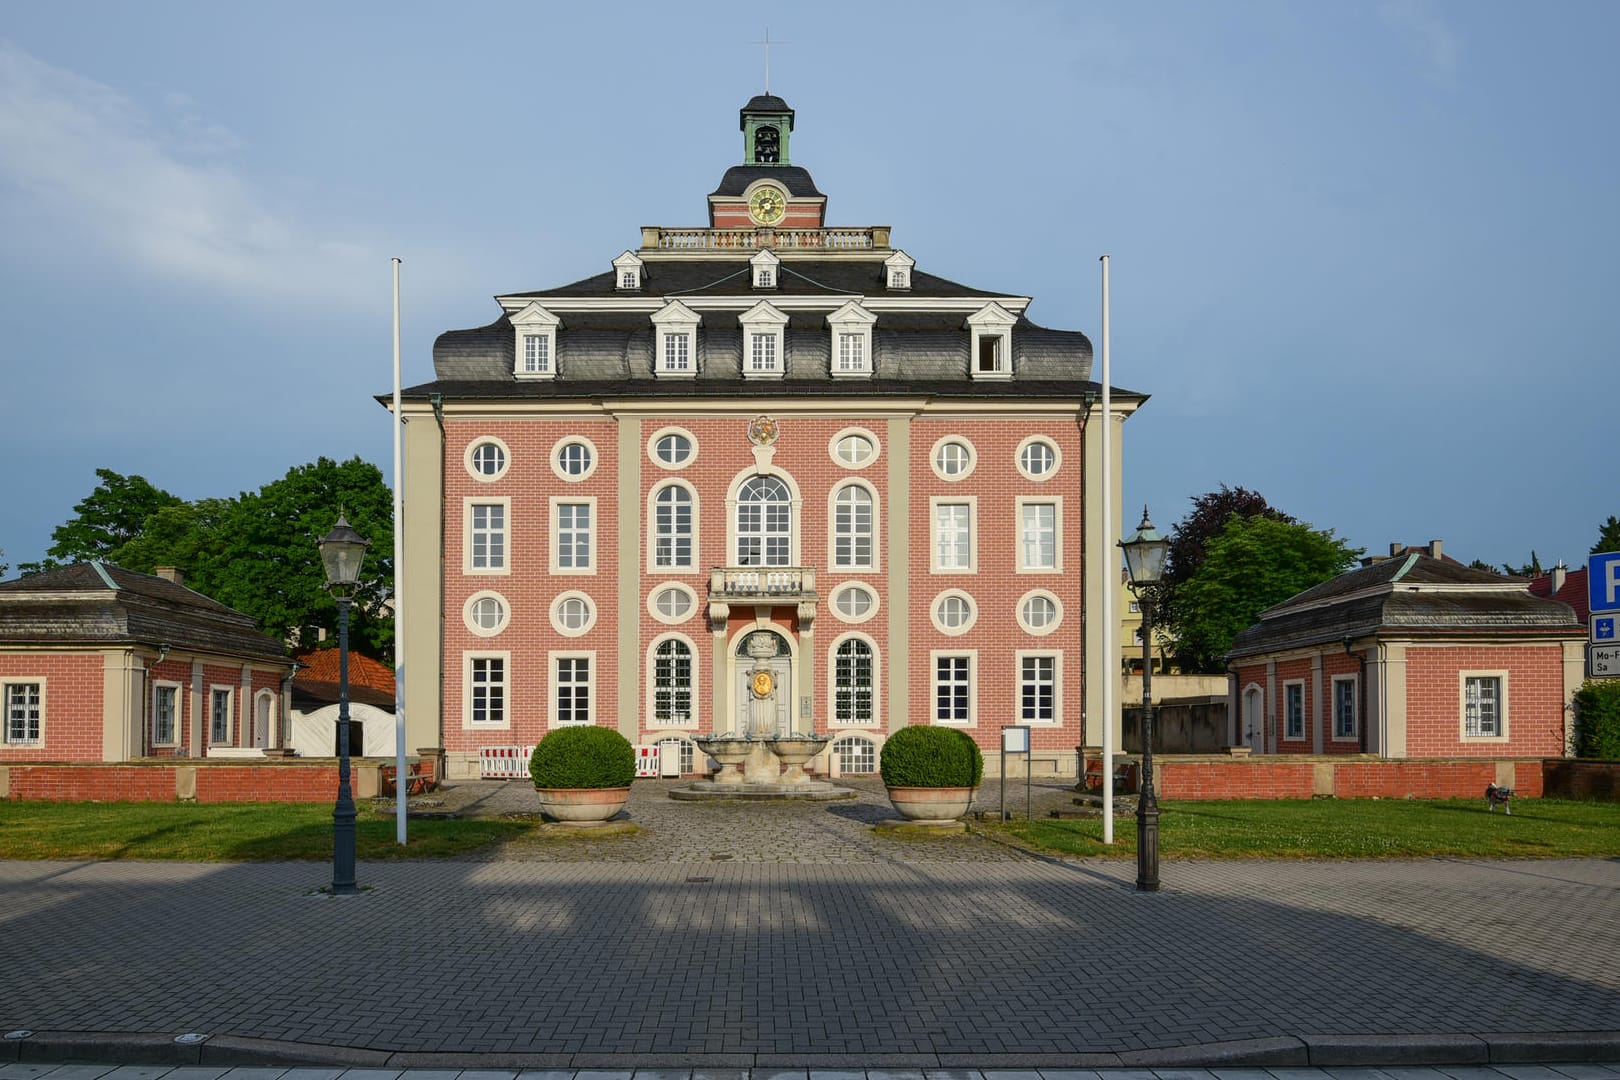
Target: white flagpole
{"type": "Point", "coordinates": [401, 783]}
{"type": "Point", "coordinates": [1110, 577]}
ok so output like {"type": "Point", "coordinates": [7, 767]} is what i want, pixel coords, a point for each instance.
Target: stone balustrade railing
{"type": "Point", "coordinates": [658, 238]}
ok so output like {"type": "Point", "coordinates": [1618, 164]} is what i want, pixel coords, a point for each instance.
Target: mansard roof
{"type": "Point", "coordinates": [99, 603]}
{"type": "Point", "coordinates": [1411, 595]}
{"type": "Point", "coordinates": [675, 278]}
{"type": "Point", "coordinates": [794, 178]}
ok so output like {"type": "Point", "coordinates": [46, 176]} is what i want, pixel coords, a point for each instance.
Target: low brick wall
{"type": "Point", "coordinates": [1218, 776]}
{"type": "Point", "coordinates": [202, 780]}
{"type": "Point", "coordinates": [1572, 778]}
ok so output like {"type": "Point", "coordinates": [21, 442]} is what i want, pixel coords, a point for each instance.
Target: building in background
{"type": "Point", "coordinates": [760, 439]}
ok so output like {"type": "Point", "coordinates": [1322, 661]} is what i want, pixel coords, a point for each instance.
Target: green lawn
{"type": "Point", "coordinates": [226, 832]}
{"type": "Point", "coordinates": [1343, 829]}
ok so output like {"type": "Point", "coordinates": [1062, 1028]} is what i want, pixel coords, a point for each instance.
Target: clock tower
{"type": "Point", "coordinates": [766, 191]}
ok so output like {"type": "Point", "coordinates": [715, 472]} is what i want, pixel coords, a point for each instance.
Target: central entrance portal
{"type": "Point", "coordinates": [763, 685]}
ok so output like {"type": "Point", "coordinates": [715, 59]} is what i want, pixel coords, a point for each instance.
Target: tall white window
{"type": "Point", "coordinates": [486, 689]}
{"type": "Point", "coordinates": [219, 716]}
{"type": "Point", "coordinates": [1037, 536]}
{"type": "Point", "coordinates": [853, 683]}
{"type": "Point", "coordinates": [536, 354]}
{"type": "Point", "coordinates": [852, 527]}
{"type": "Point", "coordinates": [1344, 708]}
{"type": "Point", "coordinates": [571, 684]}
{"type": "Point", "coordinates": [851, 329]}
{"type": "Point", "coordinates": [763, 343]}
{"type": "Point", "coordinates": [953, 536]}
{"type": "Point", "coordinates": [573, 532]}
{"type": "Point", "coordinates": [165, 701]}
{"type": "Point", "coordinates": [1037, 689]}
{"type": "Point", "coordinates": [991, 337]}
{"type": "Point", "coordinates": [1293, 710]}
{"type": "Point", "coordinates": [676, 326]}
{"type": "Point", "coordinates": [536, 330]}
{"type": "Point", "coordinates": [851, 352]}
{"type": "Point", "coordinates": [672, 682]}
{"type": "Point", "coordinates": [764, 523]}
{"type": "Point", "coordinates": [762, 352]}
{"type": "Point", "coordinates": [953, 688]}
{"type": "Point", "coordinates": [24, 719]}
{"type": "Point", "coordinates": [486, 536]}
{"type": "Point", "coordinates": [678, 353]}
{"type": "Point", "coordinates": [1483, 707]}
{"type": "Point", "coordinates": [672, 527]}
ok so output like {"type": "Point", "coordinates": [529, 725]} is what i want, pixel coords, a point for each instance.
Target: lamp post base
{"type": "Point", "coordinates": [1147, 847]}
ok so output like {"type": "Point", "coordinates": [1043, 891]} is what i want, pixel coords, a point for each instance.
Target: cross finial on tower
{"type": "Point", "coordinates": [768, 43]}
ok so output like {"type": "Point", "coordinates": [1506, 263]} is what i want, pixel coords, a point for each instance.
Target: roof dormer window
{"type": "Point", "coordinates": [765, 269]}
{"type": "Point", "coordinates": [897, 271]}
{"type": "Point", "coordinates": [627, 269]}
{"type": "Point", "coordinates": [764, 353]}
{"type": "Point", "coordinates": [536, 344]}
{"type": "Point", "coordinates": [851, 328]}
{"type": "Point", "coordinates": [676, 355]}
{"type": "Point", "coordinates": [990, 355]}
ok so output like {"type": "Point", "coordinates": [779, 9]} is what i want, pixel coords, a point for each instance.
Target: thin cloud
{"type": "Point", "coordinates": [158, 192]}
{"type": "Point", "coordinates": [1435, 45]}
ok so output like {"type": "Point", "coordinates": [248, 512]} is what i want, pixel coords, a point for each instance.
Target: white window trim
{"type": "Point", "coordinates": [467, 722]}
{"type": "Point", "coordinates": [991, 321]}
{"type": "Point", "coordinates": [556, 614]}
{"type": "Point", "coordinates": [795, 506]}
{"type": "Point", "coordinates": [1057, 458]}
{"type": "Point", "coordinates": [1054, 501]}
{"type": "Point", "coordinates": [675, 319]}
{"type": "Point", "coordinates": [630, 263]}
{"type": "Point", "coordinates": [1057, 686]}
{"type": "Point", "coordinates": [832, 527]}
{"type": "Point", "coordinates": [691, 565]}
{"type": "Point", "coordinates": [151, 718]}
{"type": "Point", "coordinates": [467, 567]}
{"type": "Point", "coordinates": [766, 270]}
{"type": "Point", "coordinates": [652, 722]}
{"type": "Point", "coordinates": [762, 318]}
{"type": "Point", "coordinates": [853, 734]}
{"type": "Point", "coordinates": [5, 720]}
{"type": "Point", "coordinates": [902, 264]}
{"type": "Point", "coordinates": [1057, 616]}
{"type": "Point", "coordinates": [934, 657]}
{"type": "Point", "coordinates": [1355, 708]}
{"type": "Point", "coordinates": [1501, 707]}
{"type": "Point", "coordinates": [535, 319]}
{"type": "Point", "coordinates": [832, 683]}
{"type": "Point", "coordinates": [865, 433]}
{"type": "Point", "coordinates": [853, 319]}
{"type": "Point", "coordinates": [556, 459]}
{"type": "Point", "coordinates": [855, 620]}
{"type": "Point", "coordinates": [472, 624]}
{"type": "Point", "coordinates": [1304, 712]}
{"type": "Point", "coordinates": [506, 458]}
{"type": "Point", "coordinates": [972, 503]}
{"type": "Point", "coordinates": [671, 466]}
{"type": "Point", "coordinates": [972, 458]}
{"type": "Point", "coordinates": [552, 685]}
{"type": "Point", "coordinates": [554, 535]}
{"type": "Point", "coordinates": [233, 729]}
{"type": "Point", "coordinates": [679, 586]}
{"type": "Point", "coordinates": [939, 624]}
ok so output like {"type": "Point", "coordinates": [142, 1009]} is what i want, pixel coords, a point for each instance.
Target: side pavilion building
{"type": "Point", "coordinates": [760, 439]}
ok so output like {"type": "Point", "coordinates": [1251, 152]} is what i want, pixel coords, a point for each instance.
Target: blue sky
{"type": "Point", "coordinates": [1361, 253]}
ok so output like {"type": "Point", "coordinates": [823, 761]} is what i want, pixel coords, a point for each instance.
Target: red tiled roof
{"type": "Point", "coordinates": [1573, 593]}
{"type": "Point", "coordinates": [321, 666]}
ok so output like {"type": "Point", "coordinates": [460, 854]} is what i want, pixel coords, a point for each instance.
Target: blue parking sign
{"type": "Point", "coordinates": [1603, 581]}
{"type": "Point", "coordinates": [1603, 628]}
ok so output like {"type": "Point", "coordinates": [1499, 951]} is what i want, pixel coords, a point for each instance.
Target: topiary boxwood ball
{"type": "Point", "coordinates": [583, 757]}
{"type": "Point", "coordinates": [924, 756]}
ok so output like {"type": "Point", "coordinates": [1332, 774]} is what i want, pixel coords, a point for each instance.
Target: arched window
{"type": "Point", "coordinates": [764, 523]}
{"type": "Point", "coordinates": [852, 527]}
{"type": "Point", "coordinates": [672, 682]}
{"type": "Point", "coordinates": [681, 750]}
{"type": "Point", "coordinates": [852, 683]}
{"type": "Point", "coordinates": [856, 756]}
{"type": "Point", "coordinates": [672, 527]}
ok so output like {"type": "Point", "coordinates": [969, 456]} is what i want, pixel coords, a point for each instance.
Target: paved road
{"type": "Point", "coordinates": [896, 954]}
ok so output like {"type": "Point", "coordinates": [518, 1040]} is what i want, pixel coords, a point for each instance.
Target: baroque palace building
{"type": "Point", "coordinates": [766, 438]}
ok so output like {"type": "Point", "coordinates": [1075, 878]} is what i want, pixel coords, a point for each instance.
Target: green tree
{"type": "Point", "coordinates": [1608, 536]}
{"type": "Point", "coordinates": [109, 517]}
{"type": "Point", "coordinates": [1597, 720]}
{"type": "Point", "coordinates": [181, 535]}
{"type": "Point", "coordinates": [1254, 563]}
{"type": "Point", "coordinates": [1530, 569]}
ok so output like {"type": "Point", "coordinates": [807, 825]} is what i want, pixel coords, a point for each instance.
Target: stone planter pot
{"type": "Point", "coordinates": [931, 804]}
{"type": "Point", "coordinates": [730, 753]}
{"type": "Point", "coordinates": [582, 805]}
{"type": "Point", "coordinates": [793, 751]}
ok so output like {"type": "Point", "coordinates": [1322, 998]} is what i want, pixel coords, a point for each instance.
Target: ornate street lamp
{"type": "Point", "coordinates": [342, 550]}
{"type": "Point", "coordinates": [1145, 555]}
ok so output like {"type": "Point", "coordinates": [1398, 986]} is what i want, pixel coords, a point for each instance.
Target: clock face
{"type": "Point", "coordinates": [767, 205]}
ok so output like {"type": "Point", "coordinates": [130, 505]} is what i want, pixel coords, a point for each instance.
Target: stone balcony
{"type": "Point", "coordinates": [761, 586]}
